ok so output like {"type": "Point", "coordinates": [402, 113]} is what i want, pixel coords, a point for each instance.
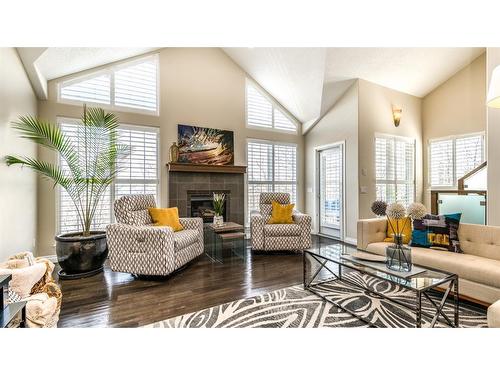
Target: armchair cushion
{"type": "Point", "coordinates": [278, 230]}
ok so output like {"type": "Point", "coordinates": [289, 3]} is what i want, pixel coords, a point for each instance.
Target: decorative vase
{"type": "Point", "coordinates": [218, 220]}
{"type": "Point", "coordinates": [81, 256]}
{"type": "Point", "coordinates": [174, 153]}
{"type": "Point", "coordinates": [398, 256]}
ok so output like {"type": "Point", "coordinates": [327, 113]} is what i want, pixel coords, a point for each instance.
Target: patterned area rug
{"type": "Point", "coordinates": [296, 307]}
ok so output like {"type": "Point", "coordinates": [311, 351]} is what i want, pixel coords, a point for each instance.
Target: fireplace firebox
{"type": "Point", "coordinates": [202, 206]}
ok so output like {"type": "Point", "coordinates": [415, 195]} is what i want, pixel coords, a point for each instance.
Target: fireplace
{"type": "Point", "coordinates": [191, 188]}
{"type": "Point", "coordinates": [200, 204]}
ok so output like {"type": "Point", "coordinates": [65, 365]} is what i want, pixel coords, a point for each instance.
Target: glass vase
{"type": "Point", "coordinates": [398, 257]}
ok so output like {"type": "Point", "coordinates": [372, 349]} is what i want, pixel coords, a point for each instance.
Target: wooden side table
{"type": "Point", "coordinates": [229, 236]}
{"type": "Point", "coordinates": [10, 311]}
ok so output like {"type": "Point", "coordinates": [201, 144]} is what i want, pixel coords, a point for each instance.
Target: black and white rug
{"type": "Point", "coordinates": [296, 307]}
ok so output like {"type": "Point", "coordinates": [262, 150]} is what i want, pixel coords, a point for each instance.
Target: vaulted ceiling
{"type": "Point", "coordinates": [306, 81]}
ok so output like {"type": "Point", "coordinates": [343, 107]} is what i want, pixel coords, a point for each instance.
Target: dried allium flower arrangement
{"type": "Point", "coordinates": [416, 211]}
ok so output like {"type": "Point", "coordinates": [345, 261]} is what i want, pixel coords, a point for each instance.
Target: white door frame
{"type": "Point", "coordinates": [317, 188]}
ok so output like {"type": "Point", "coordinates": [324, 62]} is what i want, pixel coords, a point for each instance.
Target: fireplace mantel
{"type": "Point", "coordinates": [184, 167]}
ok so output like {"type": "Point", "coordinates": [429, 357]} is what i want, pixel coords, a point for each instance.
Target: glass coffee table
{"type": "Point", "coordinates": [327, 264]}
{"type": "Point", "coordinates": [224, 242]}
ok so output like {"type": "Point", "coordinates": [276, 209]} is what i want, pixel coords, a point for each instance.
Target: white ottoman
{"type": "Point", "coordinates": [494, 315]}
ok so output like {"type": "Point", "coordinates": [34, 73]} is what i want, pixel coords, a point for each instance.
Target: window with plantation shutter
{"type": "Point", "coordinates": [131, 86]}
{"type": "Point", "coordinates": [272, 167]}
{"type": "Point", "coordinates": [138, 173]}
{"type": "Point", "coordinates": [452, 158]}
{"type": "Point", "coordinates": [91, 90]}
{"type": "Point", "coordinates": [262, 112]}
{"type": "Point", "coordinates": [395, 169]}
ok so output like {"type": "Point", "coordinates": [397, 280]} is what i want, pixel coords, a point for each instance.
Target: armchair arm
{"type": "Point", "coordinates": [257, 222]}
{"type": "Point", "coordinates": [195, 223]}
{"type": "Point", "coordinates": [129, 245]}
{"type": "Point", "coordinates": [304, 221]}
{"type": "Point", "coordinates": [371, 230]}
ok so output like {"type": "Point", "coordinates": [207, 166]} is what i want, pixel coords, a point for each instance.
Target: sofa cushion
{"type": "Point", "coordinates": [184, 238]}
{"type": "Point", "coordinates": [470, 267]}
{"type": "Point", "coordinates": [281, 230]}
{"type": "Point", "coordinates": [480, 240]}
{"type": "Point", "coordinates": [438, 231]}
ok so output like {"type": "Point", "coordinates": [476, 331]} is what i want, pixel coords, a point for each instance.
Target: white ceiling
{"type": "Point", "coordinates": [308, 81]}
{"type": "Point", "coordinates": [415, 71]}
{"type": "Point", "coordinates": [57, 62]}
{"type": "Point", "coordinates": [44, 64]}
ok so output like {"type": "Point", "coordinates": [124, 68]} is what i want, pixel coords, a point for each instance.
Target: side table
{"type": "Point", "coordinates": [229, 236]}
{"type": "Point", "coordinates": [9, 312]}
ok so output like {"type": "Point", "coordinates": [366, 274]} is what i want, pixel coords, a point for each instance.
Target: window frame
{"type": "Point", "coordinates": [395, 181]}
{"type": "Point", "coordinates": [61, 119]}
{"type": "Point", "coordinates": [110, 70]}
{"type": "Point", "coordinates": [275, 106]}
{"type": "Point", "coordinates": [272, 182]}
{"type": "Point", "coordinates": [453, 138]}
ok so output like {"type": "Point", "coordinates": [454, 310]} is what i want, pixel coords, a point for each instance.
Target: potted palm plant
{"type": "Point", "coordinates": [88, 171]}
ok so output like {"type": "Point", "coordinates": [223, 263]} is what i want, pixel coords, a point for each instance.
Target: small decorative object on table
{"type": "Point", "coordinates": [398, 255]}
{"type": "Point", "coordinates": [219, 200]}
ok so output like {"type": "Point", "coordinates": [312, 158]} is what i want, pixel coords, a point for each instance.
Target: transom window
{"type": "Point", "coordinates": [132, 86]}
{"type": "Point", "coordinates": [395, 169]}
{"type": "Point", "coordinates": [453, 157]}
{"type": "Point", "coordinates": [272, 167]}
{"type": "Point", "coordinates": [138, 173]}
{"type": "Point", "coordinates": [262, 112]}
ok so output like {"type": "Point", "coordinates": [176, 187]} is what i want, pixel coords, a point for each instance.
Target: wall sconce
{"type": "Point", "coordinates": [396, 115]}
{"type": "Point", "coordinates": [493, 99]}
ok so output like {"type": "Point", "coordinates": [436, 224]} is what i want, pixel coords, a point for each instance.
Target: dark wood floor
{"type": "Point", "coordinates": [113, 299]}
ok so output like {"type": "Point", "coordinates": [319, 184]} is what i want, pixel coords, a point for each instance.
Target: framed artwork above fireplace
{"type": "Point", "coordinates": [199, 145]}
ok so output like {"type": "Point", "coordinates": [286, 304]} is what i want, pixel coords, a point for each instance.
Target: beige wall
{"type": "Point", "coordinates": [455, 107]}
{"type": "Point", "coordinates": [199, 86]}
{"type": "Point", "coordinates": [375, 116]}
{"type": "Point", "coordinates": [340, 124]}
{"type": "Point", "coordinates": [17, 186]}
{"type": "Point", "coordinates": [493, 142]}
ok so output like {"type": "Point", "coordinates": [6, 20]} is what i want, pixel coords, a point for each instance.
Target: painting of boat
{"type": "Point", "coordinates": [198, 145]}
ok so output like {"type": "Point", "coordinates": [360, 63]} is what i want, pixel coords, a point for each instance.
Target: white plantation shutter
{"type": "Point", "coordinates": [263, 113]}
{"type": "Point", "coordinates": [452, 158]}
{"type": "Point", "coordinates": [259, 109]}
{"type": "Point", "coordinates": [395, 169]}
{"type": "Point", "coordinates": [92, 90]}
{"type": "Point", "coordinates": [441, 163]}
{"type": "Point", "coordinates": [138, 173]}
{"type": "Point", "coordinates": [138, 176]}
{"type": "Point", "coordinates": [469, 153]}
{"type": "Point", "coordinates": [68, 217]}
{"type": "Point", "coordinates": [133, 85]}
{"type": "Point", "coordinates": [272, 167]}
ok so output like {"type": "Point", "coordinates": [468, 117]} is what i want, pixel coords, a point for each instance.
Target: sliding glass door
{"type": "Point", "coordinates": [330, 198]}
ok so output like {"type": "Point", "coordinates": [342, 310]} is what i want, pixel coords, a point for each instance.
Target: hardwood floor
{"type": "Point", "coordinates": [113, 299]}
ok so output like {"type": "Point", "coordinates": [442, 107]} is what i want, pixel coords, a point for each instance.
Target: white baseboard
{"type": "Point", "coordinates": [351, 241]}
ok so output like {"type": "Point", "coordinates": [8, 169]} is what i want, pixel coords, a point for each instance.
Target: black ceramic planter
{"type": "Point", "coordinates": [81, 256]}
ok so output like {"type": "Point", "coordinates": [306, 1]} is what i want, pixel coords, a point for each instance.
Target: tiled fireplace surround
{"type": "Point", "coordinates": [183, 185]}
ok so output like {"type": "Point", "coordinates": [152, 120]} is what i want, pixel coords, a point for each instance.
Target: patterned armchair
{"type": "Point", "coordinates": [138, 247]}
{"type": "Point", "coordinates": [265, 236]}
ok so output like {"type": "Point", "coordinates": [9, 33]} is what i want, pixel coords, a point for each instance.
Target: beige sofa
{"type": "Point", "coordinates": [478, 267]}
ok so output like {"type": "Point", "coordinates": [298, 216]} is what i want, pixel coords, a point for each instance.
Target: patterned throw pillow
{"type": "Point", "coordinates": [437, 232]}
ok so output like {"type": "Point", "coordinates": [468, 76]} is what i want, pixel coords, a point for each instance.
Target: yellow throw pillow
{"type": "Point", "coordinates": [166, 217]}
{"type": "Point", "coordinates": [281, 213]}
{"type": "Point", "coordinates": [399, 224]}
